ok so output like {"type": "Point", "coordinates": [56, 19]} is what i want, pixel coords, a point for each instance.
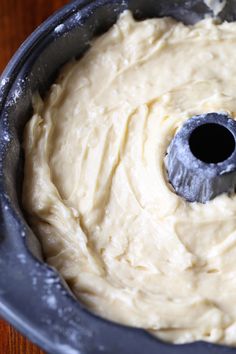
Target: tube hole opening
{"type": "Point", "coordinates": [212, 143]}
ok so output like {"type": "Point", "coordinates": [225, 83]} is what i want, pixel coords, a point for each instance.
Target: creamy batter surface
{"type": "Point", "coordinates": [95, 185]}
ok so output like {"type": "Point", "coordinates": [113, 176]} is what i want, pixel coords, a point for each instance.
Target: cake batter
{"type": "Point", "coordinates": [95, 185]}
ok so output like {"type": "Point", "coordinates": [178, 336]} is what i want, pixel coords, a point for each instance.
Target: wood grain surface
{"type": "Point", "coordinates": [18, 18]}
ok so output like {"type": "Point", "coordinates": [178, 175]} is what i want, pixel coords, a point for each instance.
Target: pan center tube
{"type": "Point", "coordinates": [201, 159]}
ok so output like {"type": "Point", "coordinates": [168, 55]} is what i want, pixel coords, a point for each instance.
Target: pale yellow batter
{"type": "Point", "coordinates": [95, 184]}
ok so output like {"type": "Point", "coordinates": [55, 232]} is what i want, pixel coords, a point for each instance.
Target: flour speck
{"type": "Point", "coordinates": [51, 301]}
{"type": "Point", "coordinates": [4, 82]}
{"type": "Point", "coordinates": [22, 258]}
{"type": "Point", "coordinates": [78, 16]}
{"type": "Point", "coordinates": [6, 137]}
{"type": "Point", "coordinates": [59, 28]}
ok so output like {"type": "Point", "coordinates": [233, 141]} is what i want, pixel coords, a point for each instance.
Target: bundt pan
{"type": "Point", "coordinates": [33, 297]}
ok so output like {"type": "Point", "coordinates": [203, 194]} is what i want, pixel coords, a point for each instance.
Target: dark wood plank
{"type": "Point", "coordinates": [11, 342]}
{"type": "Point", "coordinates": [18, 18]}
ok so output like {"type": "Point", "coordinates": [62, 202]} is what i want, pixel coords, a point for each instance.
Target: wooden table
{"type": "Point", "coordinates": [18, 18]}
